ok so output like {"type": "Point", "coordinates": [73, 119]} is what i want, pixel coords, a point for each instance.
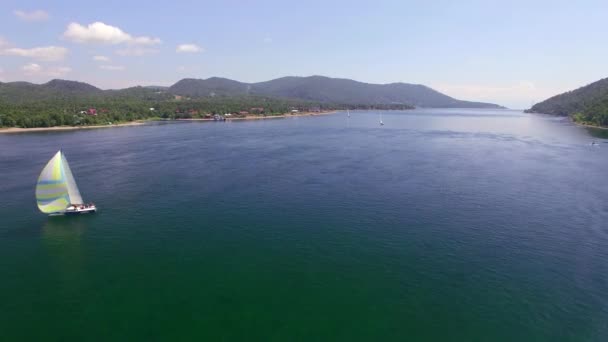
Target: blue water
{"type": "Point", "coordinates": [441, 225]}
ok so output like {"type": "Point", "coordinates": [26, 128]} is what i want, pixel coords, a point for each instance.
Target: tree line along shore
{"type": "Point", "coordinates": [86, 113]}
{"type": "Point", "coordinates": [142, 122]}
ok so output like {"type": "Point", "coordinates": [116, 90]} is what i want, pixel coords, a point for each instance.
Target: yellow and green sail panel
{"type": "Point", "coordinates": [56, 188]}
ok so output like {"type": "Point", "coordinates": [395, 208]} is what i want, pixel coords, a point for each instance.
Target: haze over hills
{"type": "Point", "coordinates": [588, 104]}
{"type": "Point", "coordinates": [314, 89]}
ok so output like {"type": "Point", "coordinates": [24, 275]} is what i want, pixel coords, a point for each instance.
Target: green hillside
{"type": "Point", "coordinates": [62, 102]}
{"type": "Point", "coordinates": [326, 90]}
{"type": "Point", "coordinates": [587, 105]}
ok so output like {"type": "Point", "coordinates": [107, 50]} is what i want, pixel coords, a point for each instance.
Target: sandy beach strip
{"type": "Point", "coordinates": [67, 128]}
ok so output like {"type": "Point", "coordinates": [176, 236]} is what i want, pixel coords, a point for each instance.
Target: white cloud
{"type": "Point", "coordinates": [34, 69]}
{"type": "Point", "coordinates": [31, 68]}
{"type": "Point", "coordinates": [45, 53]}
{"type": "Point", "coordinates": [58, 71]}
{"type": "Point", "coordinates": [188, 48]}
{"type": "Point", "coordinates": [145, 41]}
{"type": "Point", "coordinates": [112, 67]}
{"type": "Point", "coordinates": [184, 68]}
{"type": "Point", "coordinates": [97, 32]}
{"type": "Point", "coordinates": [101, 59]}
{"type": "Point", "coordinates": [38, 15]}
{"type": "Point", "coordinates": [135, 51]}
{"type": "Point", "coordinates": [101, 33]}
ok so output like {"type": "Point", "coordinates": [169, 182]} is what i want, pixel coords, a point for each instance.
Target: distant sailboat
{"type": "Point", "coordinates": [381, 123]}
{"type": "Point", "coordinates": [56, 190]}
{"type": "Point", "coordinates": [348, 113]}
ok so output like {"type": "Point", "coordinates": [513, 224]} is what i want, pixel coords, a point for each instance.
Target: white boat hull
{"type": "Point", "coordinates": [77, 211]}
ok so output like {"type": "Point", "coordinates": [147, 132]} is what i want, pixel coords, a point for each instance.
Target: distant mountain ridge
{"type": "Point", "coordinates": [319, 89]}
{"type": "Point", "coordinates": [326, 90]}
{"type": "Point", "coordinates": [71, 86]}
{"type": "Point", "coordinates": [214, 86]}
{"type": "Point", "coordinates": [23, 92]}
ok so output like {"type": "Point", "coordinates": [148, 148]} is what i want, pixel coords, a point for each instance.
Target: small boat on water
{"type": "Point", "coordinates": [56, 189]}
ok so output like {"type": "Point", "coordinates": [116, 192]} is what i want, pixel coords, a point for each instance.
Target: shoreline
{"type": "Point", "coordinates": [67, 128]}
{"type": "Point", "coordinates": [589, 125]}
{"type": "Point", "coordinates": [11, 130]}
{"type": "Point", "coordinates": [582, 124]}
{"type": "Point", "coordinates": [262, 117]}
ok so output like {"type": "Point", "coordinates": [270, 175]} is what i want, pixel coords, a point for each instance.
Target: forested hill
{"type": "Point", "coordinates": [317, 89]}
{"type": "Point", "coordinates": [63, 90]}
{"type": "Point", "coordinates": [61, 102]}
{"type": "Point", "coordinates": [22, 92]}
{"type": "Point", "coordinates": [326, 90]}
{"type": "Point", "coordinates": [588, 104]}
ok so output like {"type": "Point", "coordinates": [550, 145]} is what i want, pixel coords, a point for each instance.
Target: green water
{"type": "Point", "coordinates": [442, 225]}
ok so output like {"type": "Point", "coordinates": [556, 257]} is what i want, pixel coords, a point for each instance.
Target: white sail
{"type": "Point", "coordinates": [51, 188]}
{"type": "Point", "coordinates": [73, 191]}
{"type": "Point", "coordinates": [56, 188]}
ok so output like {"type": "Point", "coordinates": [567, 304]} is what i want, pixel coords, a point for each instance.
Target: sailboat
{"type": "Point", "coordinates": [381, 123]}
{"type": "Point", "coordinates": [56, 189]}
{"type": "Point", "coordinates": [348, 113]}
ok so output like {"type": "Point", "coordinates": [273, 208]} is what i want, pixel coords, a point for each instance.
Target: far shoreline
{"type": "Point", "coordinates": [262, 117]}
{"type": "Point", "coordinates": [10, 130]}
{"type": "Point", "coordinates": [68, 128]}
{"type": "Point", "coordinates": [581, 124]}
{"type": "Point", "coordinates": [589, 125]}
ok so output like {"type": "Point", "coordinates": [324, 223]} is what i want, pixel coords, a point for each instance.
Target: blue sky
{"type": "Point", "coordinates": [507, 52]}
